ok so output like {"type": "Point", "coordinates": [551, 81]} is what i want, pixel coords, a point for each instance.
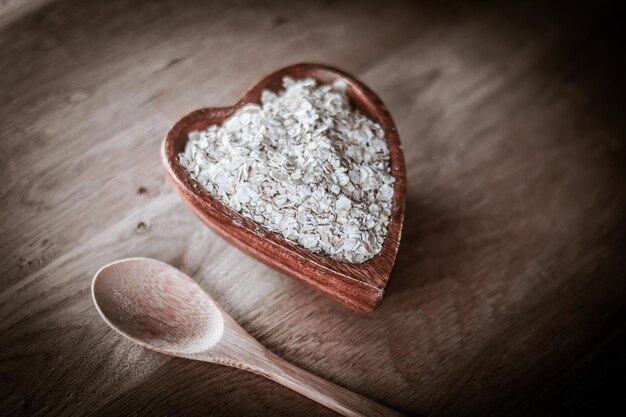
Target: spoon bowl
{"type": "Point", "coordinates": [168, 312]}
{"type": "Point", "coordinates": [161, 308]}
{"type": "Point", "coordinates": [359, 286]}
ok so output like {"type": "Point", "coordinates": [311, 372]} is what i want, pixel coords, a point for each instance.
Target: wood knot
{"type": "Point", "coordinates": [279, 21]}
{"type": "Point", "coordinates": [141, 227]}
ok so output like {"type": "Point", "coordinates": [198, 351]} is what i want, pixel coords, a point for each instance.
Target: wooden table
{"type": "Point", "coordinates": [509, 293]}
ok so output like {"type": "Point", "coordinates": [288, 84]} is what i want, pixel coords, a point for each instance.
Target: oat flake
{"type": "Point", "coordinates": [302, 164]}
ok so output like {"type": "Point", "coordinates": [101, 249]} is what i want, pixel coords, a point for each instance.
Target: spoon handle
{"type": "Point", "coordinates": [333, 396]}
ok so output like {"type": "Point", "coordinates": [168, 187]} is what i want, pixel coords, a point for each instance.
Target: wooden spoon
{"type": "Point", "coordinates": [159, 307]}
{"type": "Point", "coordinates": [359, 286]}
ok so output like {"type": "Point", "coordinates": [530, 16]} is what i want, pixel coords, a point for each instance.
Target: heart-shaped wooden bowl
{"type": "Point", "coordinates": [359, 286]}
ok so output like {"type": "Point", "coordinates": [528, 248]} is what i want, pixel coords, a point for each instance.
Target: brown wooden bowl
{"type": "Point", "coordinates": [359, 286]}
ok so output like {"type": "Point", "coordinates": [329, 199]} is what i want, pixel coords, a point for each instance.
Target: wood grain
{"type": "Point", "coordinates": [359, 286]}
{"type": "Point", "coordinates": [508, 294]}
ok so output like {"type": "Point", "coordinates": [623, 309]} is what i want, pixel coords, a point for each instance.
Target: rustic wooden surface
{"type": "Point", "coordinates": [509, 292]}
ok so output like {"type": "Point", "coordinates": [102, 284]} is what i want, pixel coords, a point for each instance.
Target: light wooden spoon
{"type": "Point", "coordinates": [161, 308]}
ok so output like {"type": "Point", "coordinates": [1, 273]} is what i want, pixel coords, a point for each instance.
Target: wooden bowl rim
{"type": "Point", "coordinates": [367, 102]}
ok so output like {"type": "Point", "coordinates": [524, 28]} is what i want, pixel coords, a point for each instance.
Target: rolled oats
{"type": "Point", "coordinates": [302, 164]}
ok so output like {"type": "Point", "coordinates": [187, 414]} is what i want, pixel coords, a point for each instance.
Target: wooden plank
{"type": "Point", "coordinates": [511, 264]}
